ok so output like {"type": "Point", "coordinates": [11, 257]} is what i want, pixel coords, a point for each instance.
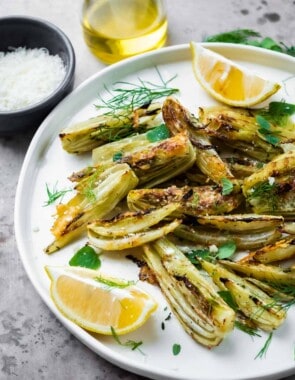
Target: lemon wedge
{"type": "Point", "coordinates": [97, 302]}
{"type": "Point", "coordinates": [227, 81]}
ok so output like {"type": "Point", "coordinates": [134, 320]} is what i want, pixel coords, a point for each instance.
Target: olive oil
{"type": "Point", "coordinates": [117, 29]}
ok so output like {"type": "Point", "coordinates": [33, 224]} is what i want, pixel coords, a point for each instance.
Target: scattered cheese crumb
{"type": "Point", "coordinates": [213, 248]}
{"type": "Point", "coordinates": [27, 76]}
{"type": "Point", "coordinates": [271, 180]}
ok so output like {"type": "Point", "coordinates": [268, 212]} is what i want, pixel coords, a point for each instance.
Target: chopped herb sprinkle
{"type": "Point", "coordinates": [176, 348]}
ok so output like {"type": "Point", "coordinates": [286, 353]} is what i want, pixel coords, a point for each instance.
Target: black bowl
{"type": "Point", "coordinates": [35, 33]}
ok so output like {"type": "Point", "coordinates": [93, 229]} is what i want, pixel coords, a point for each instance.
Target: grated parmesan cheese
{"type": "Point", "coordinates": [27, 76]}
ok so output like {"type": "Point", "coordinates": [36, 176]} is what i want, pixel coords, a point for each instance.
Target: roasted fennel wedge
{"type": "Point", "coordinates": [131, 229]}
{"type": "Point", "coordinates": [192, 296]}
{"type": "Point", "coordinates": [280, 250]}
{"type": "Point", "coordinates": [273, 275]}
{"type": "Point", "coordinates": [271, 189]}
{"type": "Point", "coordinates": [237, 127]}
{"type": "Point", "coordinates": [153, 162]}
{"type": "Point", "coordinates": [100, 193]}
{"type": "Point", "coordinates": [203, 235]}
{"type": "Point", "coordinates": [254, 303]}
{"type": "Point", "coordinates": [86, 135]}
{"type": "Point", "coordinates": [197, 200]}
{"type": "Point", "coordinates": [180, 120]}
{"type": "Point", "coordinates": [241, 222]}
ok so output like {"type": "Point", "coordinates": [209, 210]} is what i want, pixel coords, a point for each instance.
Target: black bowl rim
{"type": "Point", "coordinates": [46, 102]}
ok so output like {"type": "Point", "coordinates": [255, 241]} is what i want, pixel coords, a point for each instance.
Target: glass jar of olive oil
{"type": "Point", "coordinates": [117, 29]}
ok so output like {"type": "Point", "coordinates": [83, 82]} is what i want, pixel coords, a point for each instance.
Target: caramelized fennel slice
{"type": "Point", "coordinates": [100, 196]}
{"type": "Point", "coordinates": [193, 298]}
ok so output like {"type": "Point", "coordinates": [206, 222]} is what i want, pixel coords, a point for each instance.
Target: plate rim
{"type": "Point", "coordinates": [82, 335]}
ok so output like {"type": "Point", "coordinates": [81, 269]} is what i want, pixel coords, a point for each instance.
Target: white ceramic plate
{"type": "Point", "coordinates": [46, 162]}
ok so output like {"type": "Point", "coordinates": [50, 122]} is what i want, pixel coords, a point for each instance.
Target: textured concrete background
{"type": "Point", "coordinates": [33, 344]}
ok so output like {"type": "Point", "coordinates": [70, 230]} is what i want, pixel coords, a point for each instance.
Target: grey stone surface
{"type": "Point", "coordinates": [33, 344]}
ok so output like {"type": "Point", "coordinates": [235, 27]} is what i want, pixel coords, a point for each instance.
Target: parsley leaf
{"type": "Point", "coordinates": [176, 348]}
{"type": "Point", "coordinates": [227, 186]}
{"type": "Point", "coordinates": [117, 156]}
{"type": "Point", "coordinates": [86, 257]}
{"type": "Point", "coordinates": [265, 130]}
{"type": "Point", "coordinates": [226, 250]}
{"type": "Point", "coordinates": [159, 133]}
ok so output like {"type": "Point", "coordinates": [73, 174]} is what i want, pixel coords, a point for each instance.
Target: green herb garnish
{"type": "Point", "coordinates": [117, 156]}
{"type": "Point", "coordinates": [136, 95]}
{"type": "Point", "coordinates": [176, 348]}
{"type": "Point", "coordinates": [228, 298]}
{"type": "Point", "coordinates": [251, 37]}
{"type": "Point", "coordinates": [265, 130]}
{"type": "Point", "coordinates": [267, 192]}
{"type": "Point", "coordinates": [54, 194]}
{"type": "Point", "coordinates": [225, 251]}
{"type": "Point", "coordinates": [261, 354]}
{"type": "Point", "coordinates": [276, 115]}
{"type": "Point", "coordinates": [159, 133]}
{"type": "Point", "coordinates": [195, 199]}
{"type": "Point", "coordinates": [280, 110]}
{"type": "Point", "coordinates": [86, 257]}
{"type": "Point", "coordinates": [88, 188]}
{"type": "Point", "coordinates": [227, 186]}
{"type": "Point", "coordinates": [129, 343]}
{"type": "Point", "coordinates": [114, 284]}
{"type": "Point", "coordinates": [166, 319]}
{"type": "Point", "coordinates": [198, 253]}
{"type": "Point", "coordinates": [287, 289]}
{"type": "Point", "coordinates": [246, 329]}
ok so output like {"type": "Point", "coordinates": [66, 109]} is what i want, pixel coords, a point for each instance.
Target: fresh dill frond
{"type": "Point", "coordinates": [228, 298]}
{"type": "Point", "coordinates": [247, 329]}
{"type": "Point", "coordinates": [238, 36]}
{"type": "Point", "coordinates": [251, 37]}
{"type": "Point", "coordinates": [114, 284]}
{"type": "Point", "coordinates": [262, 353]}
{"type": "Point", "coordinates": [88, 186]}
{"type": "Point", "coordinates": [54, 194]}
{"type": "Point", "coordinates": [127, 96]}
{"type": "Point", "coordinates": [129, 343]}
{"type": "Point", "coordinates": [287, 289]}
{"type": "Point", "coordinates": [267, 192]}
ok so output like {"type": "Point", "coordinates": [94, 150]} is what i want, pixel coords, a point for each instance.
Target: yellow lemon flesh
{"type": "Point", "coordinates": [98, 302]}
{"type": "Point", "coordinates": [227, 81]}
